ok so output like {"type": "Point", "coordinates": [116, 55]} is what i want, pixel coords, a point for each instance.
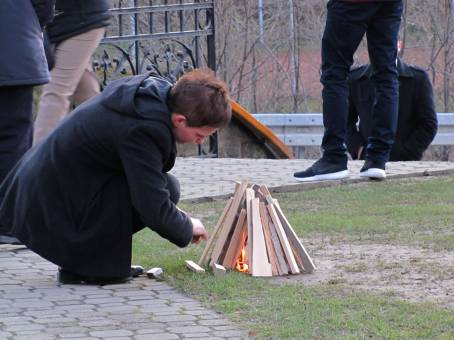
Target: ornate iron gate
{"type": "Point", "coordinates": [169, 37]}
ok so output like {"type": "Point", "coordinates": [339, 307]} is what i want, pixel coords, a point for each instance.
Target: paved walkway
{"type": "Point", "coordinates": [206, 178]}
{"type": "Point", "coordinates": [33, 306]}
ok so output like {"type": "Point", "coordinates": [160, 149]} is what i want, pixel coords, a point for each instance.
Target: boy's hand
{"type": "Point", "coordinates": [199, 232]}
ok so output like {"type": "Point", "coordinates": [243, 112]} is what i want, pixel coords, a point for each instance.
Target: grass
{"type": "Point", "coordinates": [404, 212]}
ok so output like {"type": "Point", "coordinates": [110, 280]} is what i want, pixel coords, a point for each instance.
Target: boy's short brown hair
{"type": "Point", "coordinates": [202, 98]}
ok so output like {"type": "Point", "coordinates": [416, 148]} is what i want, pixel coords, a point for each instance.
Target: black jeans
{"type": "Point", "coordinates": [346, 25]}
{"type": "Point", "coordinates": [16, 125]}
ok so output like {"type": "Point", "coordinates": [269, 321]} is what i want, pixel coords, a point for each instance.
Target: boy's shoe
{"type": "Point", "coordinates": [66, 277]}
{"type": "Point", "coordinates": [136, 271]}
{"type": "Point", "coordinates": [323, 170]}
{"type": "Point", "coordinates": [373, 170]}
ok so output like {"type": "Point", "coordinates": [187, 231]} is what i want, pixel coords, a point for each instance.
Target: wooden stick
{"type": "Point", "coordinates": [284, 241]}
{"type": "Point", "coordinates": [268, 239]}
{"type": "Point", "coordinates": [307, 262]}
{"type": "Point", "coordinates": [228, 223]}
{"type": "Point", "coordinates": [218, 270]}
{"type": "Point", "coordinates": [204, 258]}
{"type": "Point", "coordinates": [282, 264]}
{"type": "Point", "coordinates": [192, 266]}
{"type": "Point", "coordinates": [235, 242]}
{"type": "Point", "coordinates": [260, 262]}
{"type": "Point", "coordinates": [249, 197]}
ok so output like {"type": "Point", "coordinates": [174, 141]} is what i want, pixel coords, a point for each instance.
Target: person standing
{"type": "Point", "coordinates": [346, 23]}
{"type": "Point", "coordinates": [417, 122]}
{"type": "Point", "coordinates": [75, 32]}
{"type": "Point", "coordinates": [23, 65]}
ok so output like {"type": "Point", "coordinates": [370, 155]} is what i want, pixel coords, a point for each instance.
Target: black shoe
{"type": "Point", "coordinates": [67, 277]}
{"type": "Point", "coordinates": [373, 170]}
{"type": "Point", "coordinates": [323, 170]}
{"type": "Point", "coordinates": [7, 239]}
{"type": "Point", "coordinates": [136, 271]}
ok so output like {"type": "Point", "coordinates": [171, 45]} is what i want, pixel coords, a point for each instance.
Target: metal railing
{"type": "Point", "coordinates": [306, 129]}
{"type": "Point", "coordinates": [168, 37]}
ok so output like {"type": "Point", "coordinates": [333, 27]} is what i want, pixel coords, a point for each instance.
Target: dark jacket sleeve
{"type": "Point", "coordinates": [354, 139]}
{"type": "Point", "coordinates": [142, 152]}
{"type": "Point", "coordinates": [424, 133]}
{"type": "Point", "coordinates": [44, 10]}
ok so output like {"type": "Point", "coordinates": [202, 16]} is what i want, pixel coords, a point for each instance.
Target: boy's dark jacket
{"type": "Point", "coordinates": [76, 198]}
{"type": "Point", "coordinates": [417, 120]}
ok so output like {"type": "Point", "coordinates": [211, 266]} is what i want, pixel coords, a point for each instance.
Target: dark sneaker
{"type": "Point", "coordinates": [66, 277]}
{"type": "Point", "coordinates": [136, 271]}
{"type": "Point", "coordinates": [322, 170]}
{"type": "Point", "coordinates": [373, 170]}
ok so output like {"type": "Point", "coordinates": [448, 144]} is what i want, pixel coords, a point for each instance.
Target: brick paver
{"type": "Point", "coordinates": [33, 306]}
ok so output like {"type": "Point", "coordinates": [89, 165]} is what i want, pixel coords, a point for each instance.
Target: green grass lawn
{"type": "Point", "coordinates": [399, 212]}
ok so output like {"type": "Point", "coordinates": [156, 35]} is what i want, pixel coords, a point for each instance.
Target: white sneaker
{"type": "Point", "coordinates": [373, 170]}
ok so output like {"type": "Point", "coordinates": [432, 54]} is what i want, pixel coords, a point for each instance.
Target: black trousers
{"type": "Point", "coordinates": [16, 125]}
{"type": "Point", "coordinates": [346, 24]}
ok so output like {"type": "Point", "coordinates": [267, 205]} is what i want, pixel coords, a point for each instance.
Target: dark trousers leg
{"type": "Point", "coordinates": [344, 29]}
{"type": "Point", "coordinates": [173, 186]}
{"type": "Point", "coordinates": [16, 125]}
{"type": "Point", "coordinates": [382, 38]}
{"type": "Point", "coordinates": [346, 25]}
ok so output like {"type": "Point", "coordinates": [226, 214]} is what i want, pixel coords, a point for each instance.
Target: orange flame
{"type": "Point", "coordinates": [241, 262]}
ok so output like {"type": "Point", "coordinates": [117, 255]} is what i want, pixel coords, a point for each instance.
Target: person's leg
{"type": "Point", "coordinates": [16, 130]}
{"type": "Point", "coordinates": [345, 27]}
{"type": "Point", "coordinates": [382, 38]}
{"type": "Point", "coordinates": [346, 24]}
{"type": "Point", "coordinates": [71, 58]}
{"type": "Point", "coordinates": [88, 86]}
{"type": "Point", "coordinates": [16, 125]}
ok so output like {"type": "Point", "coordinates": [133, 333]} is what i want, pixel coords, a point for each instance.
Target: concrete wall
{"type": "Point", "coordinates": [234, 141]}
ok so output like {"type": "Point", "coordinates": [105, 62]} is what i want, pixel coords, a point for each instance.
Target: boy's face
{"type": "Point", "coordinates": [189, 134]}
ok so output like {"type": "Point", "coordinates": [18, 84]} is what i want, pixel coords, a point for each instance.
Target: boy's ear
{"type": "Point", "coordinates": [178, 119]}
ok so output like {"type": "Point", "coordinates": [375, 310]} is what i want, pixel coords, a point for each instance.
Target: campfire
{"type": "Point", "coordinates": [253, 236]}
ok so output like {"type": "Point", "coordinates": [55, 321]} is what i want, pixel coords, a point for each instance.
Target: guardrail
{"type": "Point", "coordinates": [306, 129]}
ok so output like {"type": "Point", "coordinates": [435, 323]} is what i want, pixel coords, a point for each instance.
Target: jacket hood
{"type": "Point", "coordinates": [138, 96]}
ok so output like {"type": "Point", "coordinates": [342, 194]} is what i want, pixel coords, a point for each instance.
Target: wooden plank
{"type": "Point", "coordinates": [204, 258]}
{"type": "Point", "coordinates": [240, 249]}
{"type": "Point", "coordinates": [218, 270]}
{"type": "Point", "coordinates": [283, 267]}
{"type": "Point", "coordinates": [249, 197]}
{"type": "Point", "coordinates": [268, 240]}
{"type": "Point", "coordinates": [264, 190]}
{"type": "Point", "coordinates": [308, 264]}
{"type": "Point", "coordinates": [235, 244]}
{"type": "Point", "coordinates": [192, 266]}
{"type": "Point", "coordinates": [260, 262]}
{"type": "Point", "coordinates": [296, 253]}
{"type": "Point", "coordinates": [228, 223]}
{"type": "Point", "coordinates": [283, 238]}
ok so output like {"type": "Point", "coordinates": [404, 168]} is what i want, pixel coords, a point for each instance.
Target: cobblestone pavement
{"type": "Point", "coordinates": [33, 306]}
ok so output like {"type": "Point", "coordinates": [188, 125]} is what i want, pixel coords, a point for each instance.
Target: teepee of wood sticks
{"type": "Point", "coordinates": [253, 236]}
